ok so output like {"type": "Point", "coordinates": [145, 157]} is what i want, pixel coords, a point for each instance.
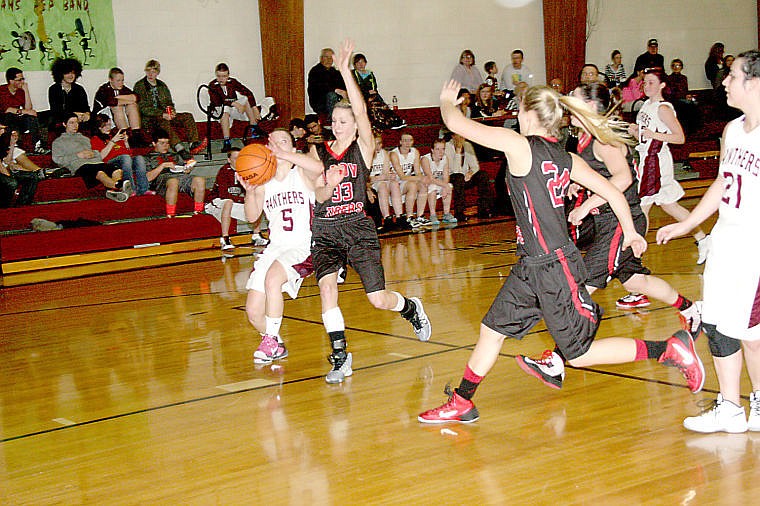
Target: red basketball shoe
{"type": "Point", "coordinates": [457, 409]}
{"type": "Point", "coordinates": [681, 353]}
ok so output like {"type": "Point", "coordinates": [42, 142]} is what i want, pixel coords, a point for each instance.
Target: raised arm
{"type": "Point", "coordinates": [510, 142]}
{"type": "Point", "coordinates": [355, 96]}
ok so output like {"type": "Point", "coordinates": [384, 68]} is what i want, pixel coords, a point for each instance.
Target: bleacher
{"type": "Point", "coordinates": [93, 224]}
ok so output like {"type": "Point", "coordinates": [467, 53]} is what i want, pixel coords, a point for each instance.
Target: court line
{"type": "Point", "coordinates": [220, 395]}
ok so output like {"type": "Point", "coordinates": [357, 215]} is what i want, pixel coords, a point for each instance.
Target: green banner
{"type": "Point", "coordinates": [33, 33]}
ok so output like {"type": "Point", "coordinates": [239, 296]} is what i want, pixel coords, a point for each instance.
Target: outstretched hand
{"type": "Point", "coordinates": [637, 244]}
{"type": "Point", "coordinates": [334, 175]}
{"type": "Point", "coordinates": [450, 91]}
{"type": "Point", "coordinates": [344, 54]}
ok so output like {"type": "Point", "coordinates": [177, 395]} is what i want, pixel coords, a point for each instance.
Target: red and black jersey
{"type": "Point", "coordinates": [586, 151]}
{"type": "Point", "coordinates": [349, 197]}
{"type": "Point", "coordinates": [538, 198]}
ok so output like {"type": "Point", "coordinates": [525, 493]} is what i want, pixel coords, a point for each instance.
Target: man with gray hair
{"type": "Point", "coordinates": [325, 84]}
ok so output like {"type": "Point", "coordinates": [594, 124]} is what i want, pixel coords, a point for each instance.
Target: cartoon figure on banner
{"type": "Point", "coordinates": [65, 41]}
{"type": "Point", "coordinates": [23, 42]}
{"type": "Point", "coordinates": [3, 50]}
{"type": "Point", "coordinates": [84, 38]}
{"type": "Point", "coordinates": [46, 49]}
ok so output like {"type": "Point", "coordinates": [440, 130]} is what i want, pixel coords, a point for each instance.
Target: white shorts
{"type": "Point", "coordinates": [233, 112]}
{"type": "Point", "coordinates": [297, 264]}
{"type": "Point", "coordinates": [214, 208]}
{"type": "Point", "coordinates": [731, 284]}
{"type": "Point", "coordinates": [437, 188]}
{"type": "Point", "coordinates": [670, 190]}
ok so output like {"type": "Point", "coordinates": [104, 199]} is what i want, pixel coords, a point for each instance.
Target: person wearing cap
{"type": "Point", "coordinates": [651, 58]}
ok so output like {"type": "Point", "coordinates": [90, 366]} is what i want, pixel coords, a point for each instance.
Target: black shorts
{"type": "Point", "coordinates": [549, 286]}
{"type": "Point", "coordinates": [353, 241]}
{"type": "Point", "coordinates": [89, 171]}
{"type": "Point", "coordinates": [605, 259]}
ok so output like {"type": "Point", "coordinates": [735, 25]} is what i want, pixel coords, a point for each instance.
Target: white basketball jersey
{"type": "Point", "coordinates": [740, 167]}
{"type": "Point", "coordinates": [407, 161]}
{"type": "Point", "coordinates": [436, 167]}
{"type": "Point", "coordinates": [649, 117]}
{"type": "Point", "coordinates": [288, 205]}
{"type": "Point", "coordinates": [378, 162]}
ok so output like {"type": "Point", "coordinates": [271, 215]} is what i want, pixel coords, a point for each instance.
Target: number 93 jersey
{"type": "Point", "coordinates": [350, 196]}
{"type": "Point", "coordinates": [288, 205]}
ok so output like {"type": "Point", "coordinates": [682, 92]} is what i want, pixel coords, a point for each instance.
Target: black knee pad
{"type": "Point", "coordinates": [720, 345]}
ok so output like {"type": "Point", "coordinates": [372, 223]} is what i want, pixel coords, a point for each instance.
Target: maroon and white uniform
{"type": "Point", "coordinates": [657, 184]}
{"type": "Point", "coordinates": [548, 279]}
{"type": "Point", "coordinates": [288, 205]}
{"type": "Point", "coordinates": [732, 272]}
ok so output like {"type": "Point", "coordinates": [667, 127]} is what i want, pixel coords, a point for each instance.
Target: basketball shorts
{"type": "Point", "coordinates": [295, 261]}
{"type": "Point", "coordinates": [670, 190]}
{"type": "Point", "coordinates": [214, 208]}
{"type": "Point", "coordinates": [732, 283]}
{"type": "Point", "coordinates": [549, 286]}
{"type": "Point", "coordinates": [605, 259]}
{"type": "Point", "coordinates": [351, 241]}
{"type": "Point", "coordinates": [233, 112]}
{"type": "Point", "coordinates": [437, 189]}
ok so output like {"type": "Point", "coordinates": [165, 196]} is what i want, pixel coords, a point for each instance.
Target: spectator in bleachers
{"type": "Point", "coordinates": [516, 72]}
{"type": "Point", "coordinates": [297, 128]}
{"type": "Point", "coordinates": [714, 62]}
{"type": "Point", "coordinates": [113, 146]}
{"type": "Point", "coordinates": [169, 174]}
{"type": "Point", "coordinates": [435, 165]}
{"type": "Point", "coordinates": [119, 102]}
{"type": "Point", "coordinates": [24, 171]}
{"type": "Point", "coordinates": [589, 74]}
{"type": "Point", "coordinates": [678, 83]}
{"type": "Point", "coordinates": [465, 173]}
{"type": "Point", "coordinates": [386, 184]}
{"type": "Point", "coordinates": [226, 199]}
{"type": "Point", "coordinates": [633, 91]}
{"type": "Point", "coordinates": [614, 72]}
{"type": "Point", "coordinates": [485, 106]}
{"type": "Point", "coordinates": [405, 161]}
{"type": "Point", "coordinates": [381, 116]}
{"type": "Point", "coordinates": [234, 101]}
{"type": "Point", "coordinates": [65, 95]}
{"type": "Point", "coordinates": [316, 132]}
{"type": "Point", "coordinates": [157, 110]}
{"type": "Point", "coordinates": [325, 85]}
{"type": "Point", "coordinates": [73, 151]}
{"type": "Point", "coordinates": [17, 109]}
{"type": "Point", "coordinates": [466, 73]}
{"type": "Point", "coordinates": [651, 59]}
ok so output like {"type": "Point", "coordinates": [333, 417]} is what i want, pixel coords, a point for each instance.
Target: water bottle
{"type": "Point", "coordinates": [395, 103]}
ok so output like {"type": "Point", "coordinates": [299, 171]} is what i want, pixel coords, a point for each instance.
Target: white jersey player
{"type": "Point", "coordinates": [288, 201]}
{"type": "Point", "coordinates": [731, 310]}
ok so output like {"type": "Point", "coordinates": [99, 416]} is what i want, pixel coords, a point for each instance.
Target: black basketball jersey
{"type": "Point", "coordinates": [350, 196]}
{"type": "Point", "coordinates": [538, 198]}
{"type": "Point", "coordinates": [586, 151]}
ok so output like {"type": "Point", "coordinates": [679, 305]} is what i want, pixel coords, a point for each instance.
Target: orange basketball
{"type": "Point", "coordinates": [256, 164]}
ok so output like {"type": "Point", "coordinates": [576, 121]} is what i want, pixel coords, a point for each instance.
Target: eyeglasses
{"type": "Point", "coordinates": [20, 79]}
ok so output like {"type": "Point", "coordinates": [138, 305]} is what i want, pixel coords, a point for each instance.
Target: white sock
{"type": "Point", "coordinates": [400, 303]}
{"type": "Point", "coordinates": [333, 320]}
{"type": "Point", "coordinates": [273, 326]}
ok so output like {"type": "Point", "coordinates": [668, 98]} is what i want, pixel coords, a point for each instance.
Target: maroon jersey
{"type": "Point", "coordinates": [349, 197]}
{"type": "Point", "coordinates": [538, 198]}
{"type": "Point", "coordinates": [226, 187]}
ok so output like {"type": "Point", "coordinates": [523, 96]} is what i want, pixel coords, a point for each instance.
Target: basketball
{"type": "Point", "coordinates": [256, 164]}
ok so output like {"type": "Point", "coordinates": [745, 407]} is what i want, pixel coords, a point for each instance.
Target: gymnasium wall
{"type": "Point", "coordinates": [411, 45]}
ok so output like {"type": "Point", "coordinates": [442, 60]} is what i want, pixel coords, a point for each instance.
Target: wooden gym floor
{"type": "Point", "coordinates": [138, 387]}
